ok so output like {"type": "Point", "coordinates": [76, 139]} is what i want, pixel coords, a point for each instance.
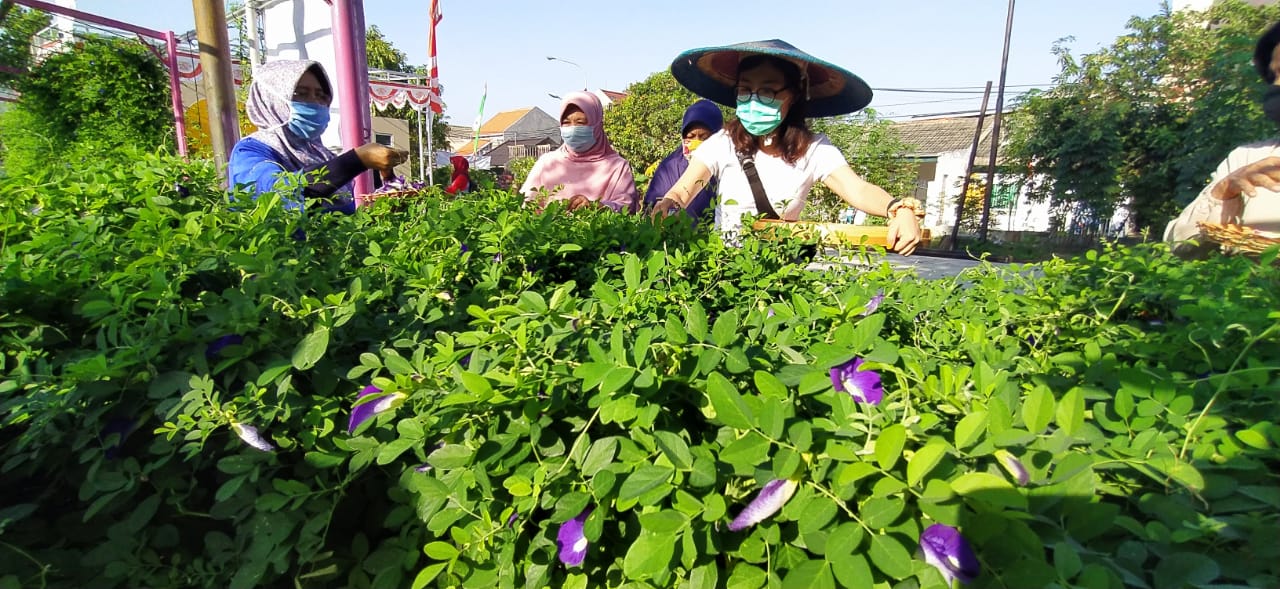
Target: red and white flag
{"type": "Point", "coordinates": [433, 72]}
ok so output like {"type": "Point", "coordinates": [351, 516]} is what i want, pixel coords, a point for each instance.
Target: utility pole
{"type": "Point", "coordinates": [995, 128]}
{"type": "Point", "coordinates": [968, 168]}
{"type": "Point", "coordinates": [215, 60]}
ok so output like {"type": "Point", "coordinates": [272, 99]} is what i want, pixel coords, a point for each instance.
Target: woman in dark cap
{"type": "Point", "coordinates": [1245, 189]}
{"type": "Point", "coordinates": [701, 120]}
{"type": "Point", "coordinates": [767, 160]}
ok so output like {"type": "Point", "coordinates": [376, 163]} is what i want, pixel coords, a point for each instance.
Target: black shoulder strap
{"type": "Point", "coordinates": [757, 189]}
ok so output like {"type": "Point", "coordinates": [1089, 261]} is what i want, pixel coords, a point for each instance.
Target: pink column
{"type": "Point", "coordinates": [175, 91]}
{"type": "Point", "coordinates": [353, 80]}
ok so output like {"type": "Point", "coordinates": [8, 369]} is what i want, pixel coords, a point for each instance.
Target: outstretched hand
{"type": "Point", "coordinates": [904, 233]}
{"type": "Point", "coordinates": [1247, 180]}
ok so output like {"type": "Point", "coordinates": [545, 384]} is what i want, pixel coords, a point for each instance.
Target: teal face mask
{"type": "Point", "coordinates": [307, 120]}
{"type": "Point", "coordinates": [758, 118]}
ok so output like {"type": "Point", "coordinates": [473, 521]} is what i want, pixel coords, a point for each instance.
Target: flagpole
{"type": "Point", "coordinates": [422, 166]}
{"type": "Point", "coordinates": [431, 153]}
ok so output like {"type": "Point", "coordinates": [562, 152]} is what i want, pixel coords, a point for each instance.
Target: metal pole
{"type": "Point", "coordinates": [995, 127]}
{"type": "Point", "coordinates": [422, 155]}
{"type": "Point", "coordinates": [215, 60]}
{"type": "Point", "coordinates": [431, 151]}
{"type": "Point", "coordinates": [968, 168]}
{"type": "Point", "coordinates": [251, 24]}
{"type": "Point", "coordinates": [348, 46]}
{"type": "Point", "coordinates": [175, 91]}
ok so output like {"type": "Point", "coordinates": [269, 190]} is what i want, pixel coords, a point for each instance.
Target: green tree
{"type": "Point", "coordinates": [874, 151]}
{"type": "Point", "coordinates": [645, 127]}
{"type": "Point", "coordinates": [1147, 119]}
{"type": "Point", "coordinates": [17, 27]}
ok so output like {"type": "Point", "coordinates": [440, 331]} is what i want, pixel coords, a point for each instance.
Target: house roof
{"type": "Point", "coordinates": [614, 96]}
{"type": "Point", "coordinates": [499, 123]}
{"type": "Point", "coordinates": [936, 136]}
{"type": "Point", "coordinates": [469, 148]}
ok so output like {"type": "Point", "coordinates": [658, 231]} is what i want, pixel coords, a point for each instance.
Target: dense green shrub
{"type": "Point", "coordinates": [99, 95]}
{"type": "Point", "coordinates": [644, 380]}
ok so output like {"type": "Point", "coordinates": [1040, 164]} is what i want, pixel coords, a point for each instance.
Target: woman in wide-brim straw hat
{"type": "Point", "coordinates": [773, 86]}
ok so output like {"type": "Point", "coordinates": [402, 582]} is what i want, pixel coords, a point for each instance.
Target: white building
{"type": "Point", "coordinates": [941, 147]}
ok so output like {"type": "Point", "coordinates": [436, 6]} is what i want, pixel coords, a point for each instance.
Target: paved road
{"type": "Point", "coordinates": [926, 267]}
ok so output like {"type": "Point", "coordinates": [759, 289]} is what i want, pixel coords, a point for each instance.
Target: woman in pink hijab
{"type": "Point", "coordinates": [585, 169]}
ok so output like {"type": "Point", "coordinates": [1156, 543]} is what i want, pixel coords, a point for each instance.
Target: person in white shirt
{"type": "Point", "coordinates": [773, 87]}
{"type": "Point", "coordinates": [1245, 189]}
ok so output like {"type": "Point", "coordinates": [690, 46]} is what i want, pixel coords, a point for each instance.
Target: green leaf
{"type": "Point", "coordinates": [599, 456]}
{"type": "Point", "coordinates": [450, 456]}
{"type": "Point", "coordinates": [989, 488]}
{"type": "Point", "coordinates": [674, 448]}
{"type": "Point", "coordinates": [440, 551]}
{"type": "Point", "coordinates": [970, 429]}
{"type": "Point", "coordinates": [643, 480]}
{"type": "Point", "coordinates": [853, 570]}
{"type": "Point", "coordinates": [1253, 439]}
{"type": "Point", "coordinates": [664, 522]}
{"type": "Point", "coordinates": [1037, 410]}
{"type": "Point", "coordinates": [397, 364]}
{"type": "Point", "coordinates": [889, 445]}
{"type": "Point", "coordinates": [731, 409]}
{"type": "Point", "coordinates": [748, 451]}
{"type": "Point", "coordinates": [923, 461]}
{"type": "Point", "coordinates": [890, 556]}
{"type": "Point", "coordinates": [1066, 560]}
{"type": "Point", "coordinates": [1180, 569]}
{"type": "Point", "coordinates": [746, 576]}
{"type": "Point", "coordinates": [631, 273]}
{"type": "Point", "coordinates": [695, 322]}
{"type": "Point", "coordinates": [311, 349]}
{"type": "Point", "coordinates": [725, 330]}
{"type": "Point", "coordinates": [881, 513]}
{"type": "Point", "coordinates": [769, 385]}
{"type": "Point", "coordinates": [818, 512]}
{"type": "Point", "coordinates": [649, 556]}
{"type": "Point", "coordinates": [812, 574]}
{"type": "Point", "coordinates": [475, 384]}
{"type": "Point", "coordinates": [1070, 415]}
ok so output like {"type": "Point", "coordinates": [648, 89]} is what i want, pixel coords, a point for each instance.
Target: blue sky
{"type": "Point", "coordinates": [891, 44]}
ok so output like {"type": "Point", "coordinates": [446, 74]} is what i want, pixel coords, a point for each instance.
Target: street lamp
{"type": "Point", "coordinates": [580, 68]}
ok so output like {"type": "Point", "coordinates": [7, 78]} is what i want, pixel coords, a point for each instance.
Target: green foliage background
{"type": "Point", "coordinates": [563, 361]}
{"type": "Point", "coordinates": [1149, 118]}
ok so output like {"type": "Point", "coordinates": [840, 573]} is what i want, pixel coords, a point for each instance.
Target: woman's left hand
{"type": "Point", "coordinates": [904, 232]}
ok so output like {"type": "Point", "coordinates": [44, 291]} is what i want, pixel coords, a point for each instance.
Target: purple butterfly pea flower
{"type": "Point", "coordinates": [181, 189]}
{"type": "Point", "coordinates": [770, 314]}
{"type": "Point", "coordinates": [1014, 466]}
{"type": "Point", "coordinates": [863, 385]}
{"type": "Point", "coordinates": [465, 361]}
{"type": "Point", "coordinates": [572, 540]}
{"type": "Point", "coordinates": [465, 249]}
{"type": "Point", "coordinates": [362, 412]}
{"type": "Point", "coordinates": [249, 435]}
{"type": "Point", "coordinates": [511, 520]}
{"type": "Point", "coordinates": [222, 343]}
{"type": "Point", "coordinates": [768, 501]}
{"type": "Point", "coordinates": [873, 304]}
{"type": "Point", "coordinates": [948, 551]}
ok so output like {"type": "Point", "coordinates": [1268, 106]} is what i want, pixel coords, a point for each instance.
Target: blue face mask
{"type": "Point", "coordinates": [307, 120]}
{"type": "Point", "coordinates": [757, 117]}
{"type": "Point", "coordinates": [578, 138]}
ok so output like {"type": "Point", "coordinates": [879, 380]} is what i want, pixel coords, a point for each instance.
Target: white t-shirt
{"type": "Point", "coordinates": [786, 185]}
{"type": "Point", "coordinates": [1260, 212]}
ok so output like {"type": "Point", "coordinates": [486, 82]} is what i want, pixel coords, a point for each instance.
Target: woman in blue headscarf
{"type": "Point", "coordinates": [289, 103]}
{"type": "Point", "coordinates": [701, 121]}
